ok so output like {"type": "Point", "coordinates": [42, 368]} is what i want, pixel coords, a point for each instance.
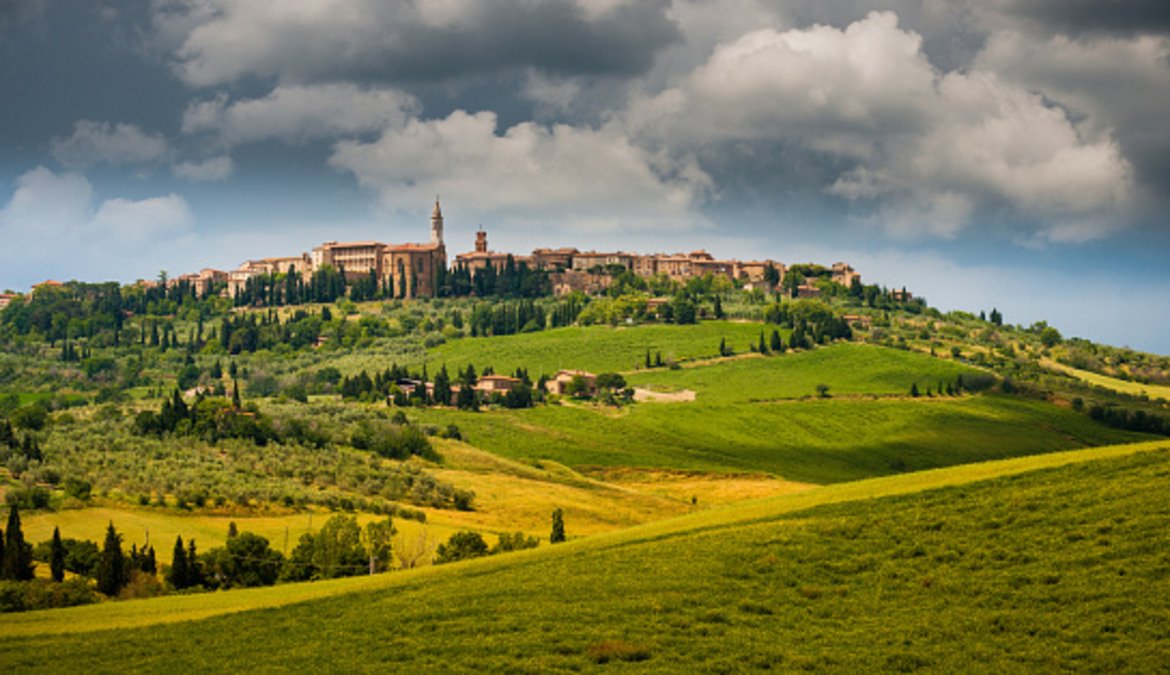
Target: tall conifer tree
{"type": "Point", "coordinates": [17, 560]}
{"type": "Point", "coordinates": [112, 567]}
{"type": "Point", "coordinates": [178, 576]}
{"type": "Point", "coordinates": [57, 557]}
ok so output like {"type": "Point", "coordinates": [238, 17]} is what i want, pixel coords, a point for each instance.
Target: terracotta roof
{"type": "Point", "coordinates": [351, 244]}
{"type": "Point", "coordinates": [410, 247]}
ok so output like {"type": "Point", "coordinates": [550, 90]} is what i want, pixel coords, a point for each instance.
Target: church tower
{"type": "Point", "coordinates": [437, 224]}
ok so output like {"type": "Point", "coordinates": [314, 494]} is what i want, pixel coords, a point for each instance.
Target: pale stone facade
{"type": "Point", "coordinates": [844, 274]}
{"type": "Point", "coordinates": [560, 382]}
{"type": "Point", "coordinates": [407, 270]}
{"type": "Point", "coordinates": [478, 260]}
{"type": "Point", "coordinates": [592, 259]}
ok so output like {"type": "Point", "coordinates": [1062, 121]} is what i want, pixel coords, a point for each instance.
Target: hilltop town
{"type": "Point", "coordinates": [416, 270]}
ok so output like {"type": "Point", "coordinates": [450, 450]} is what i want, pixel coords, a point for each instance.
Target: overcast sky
{"type": "Point", "coordinates": [1006, 153]}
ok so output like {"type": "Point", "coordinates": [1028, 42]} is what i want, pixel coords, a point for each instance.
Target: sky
{"type": "Point", "coordinates": [982, 153]}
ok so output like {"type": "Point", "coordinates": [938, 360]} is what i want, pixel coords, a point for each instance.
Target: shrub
{"type": "Point", "coordinates": [461, 546]}
{"type": "Point", "coordinates": [32, 416]}
{"type": "Point", "coordinates": [23, 596]}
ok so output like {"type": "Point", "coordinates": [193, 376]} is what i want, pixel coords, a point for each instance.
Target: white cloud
{"type": "Point", "coordinates": [46, 202]}
{"type": "Point", "coordinates": [931, 151]}
{"type": "Point", "coordinates": [298, 113]}
{"type": "Point", "coordinates": [546, 176]}
{"type": "Point", "coordinates": [51, 227]}
{"type": "Point", "coordinates": [1110, 83]}
{"type": "Point", "coordinates": [139, 220]}
{"type": "Point", "coordinates": [212, 169]}
{"type": "Point", "coordinates": [102, 142]}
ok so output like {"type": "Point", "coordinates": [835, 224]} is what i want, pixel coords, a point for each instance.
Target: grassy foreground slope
{"type": "Point", "coordinates": [1054, 568]}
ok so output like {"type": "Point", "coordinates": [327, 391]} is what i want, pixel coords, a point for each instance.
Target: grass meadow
{"type": "Point", "coordinates": [595, 348]}
{"type": "Point", "coordinates": [847, 369]}
{"type": "Point", "coordinates": [1053, 562]}
{"type": "Point", "coordinates": [815, 441]}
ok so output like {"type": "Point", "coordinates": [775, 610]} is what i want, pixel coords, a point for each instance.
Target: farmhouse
{"type": "Point", "coordinates": [560, 382]}
{"type": "Point", "coordinates": [489, 384]}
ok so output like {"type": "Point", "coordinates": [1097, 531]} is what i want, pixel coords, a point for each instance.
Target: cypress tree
{"type": "Point", "coordinates": [777, 343]}
{"type": "Point", "coordinates": [112, 567]}
{"type": "Point", "coordinates": [57, 557]}
{"type": "Point", "coordinates": [17, 561]}
{"type": "Point", "coordinates": [178, 576]}
{"type": "Point", "coordinates": [558, 527]}
{"type": "Point", "coordinates": [194, 571]}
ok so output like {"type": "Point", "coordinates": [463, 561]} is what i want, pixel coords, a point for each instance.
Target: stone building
{"type": "Point", "coordinates": [237, 279]}
{"type": "Point", "coordinates": [592, 259]}
{"type": "Point", "coordinates": [844, 274]}
{"type": "Point", "coordinates": [553, 259]}
{"type": "Point", "coordinates": [478, 260]}
{"type": "Point", "coordinates": [412, 270]}
{"type": "Point", "coordinates": [202, 281]}
{"type": "Point", "coordinates": [574, 281]}
{"type": "Point", "coordinates": [407, 270]}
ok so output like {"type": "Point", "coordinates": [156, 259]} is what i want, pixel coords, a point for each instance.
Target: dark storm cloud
{"type": "Point", "coordinates": [552, 37]}
{"type": "Point", "coordinates": [15, 12]}
{"type": "Point", "coordinates": [409, 43]}
{"type": "Point", "coordinates": [1096, 16]}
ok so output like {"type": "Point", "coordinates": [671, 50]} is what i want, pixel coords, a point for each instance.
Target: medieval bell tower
{"type": "Point", "coordinates": [437, 224]}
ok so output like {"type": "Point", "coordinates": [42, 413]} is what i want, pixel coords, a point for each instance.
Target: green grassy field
{"type": "Point", "coordinates": [594, 348]}
{"type": "Point", "coordinates": [846, 368]}
{"type": "Point", "coordinates": [1051, 562]}
{"type": "Point", "coordinates": [816, 441]}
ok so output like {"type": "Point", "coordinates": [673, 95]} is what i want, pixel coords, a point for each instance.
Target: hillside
{"type": "Point", "coordinates": [1045, 563]}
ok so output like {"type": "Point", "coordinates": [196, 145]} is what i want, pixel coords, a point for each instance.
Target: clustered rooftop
{"type": "Point", "coordinates": [415, 267]}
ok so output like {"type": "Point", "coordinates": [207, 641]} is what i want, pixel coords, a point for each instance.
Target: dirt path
{"type": "Point", "coordinates": [647, 396]}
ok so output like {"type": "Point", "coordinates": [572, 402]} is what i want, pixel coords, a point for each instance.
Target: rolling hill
{"type": "Point", "coordinates": [1048, 562]}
